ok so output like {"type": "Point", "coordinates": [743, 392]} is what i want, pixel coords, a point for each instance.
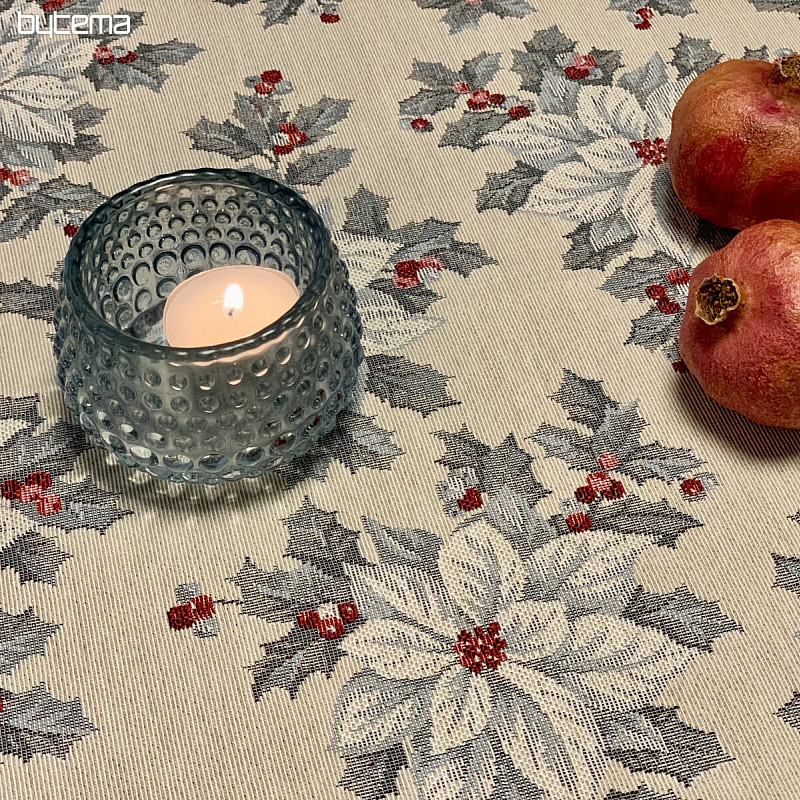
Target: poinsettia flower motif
{"type": "Point", "coordinates": [606, 159]}
{"type": "Point", "coordinates": [387, 325]}
{"type": "Point", "coordinates": [526, 653]}
{"type": "Point", "coordinates": [37, 91]}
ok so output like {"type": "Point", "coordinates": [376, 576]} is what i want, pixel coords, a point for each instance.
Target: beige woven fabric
{"type": "Point", "coordinates": [644, 649]}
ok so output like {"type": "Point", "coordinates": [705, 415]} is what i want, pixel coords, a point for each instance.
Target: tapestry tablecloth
{"type": "Point", "coordinates": [533, 561]}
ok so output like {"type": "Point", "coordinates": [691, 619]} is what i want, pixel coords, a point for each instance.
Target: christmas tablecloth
{"type": "Point", "coordinates": [533, 561]}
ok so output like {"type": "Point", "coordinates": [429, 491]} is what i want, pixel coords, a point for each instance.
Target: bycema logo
{"type": "Point", "coordinates": [72, 24]}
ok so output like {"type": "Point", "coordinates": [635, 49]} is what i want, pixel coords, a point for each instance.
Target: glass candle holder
{"type": "Point", "coordinates": [210, 414]}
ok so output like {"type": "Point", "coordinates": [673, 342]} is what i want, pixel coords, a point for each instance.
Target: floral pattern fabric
{"type": "Point", "coordinates": [530, 562]}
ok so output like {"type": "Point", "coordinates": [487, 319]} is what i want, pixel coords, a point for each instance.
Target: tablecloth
{"type": "Point", "coordinates": [533, 560]}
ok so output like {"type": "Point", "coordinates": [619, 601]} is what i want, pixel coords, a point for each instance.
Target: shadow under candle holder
{"type": "Point", "coordinates": [211, 414]}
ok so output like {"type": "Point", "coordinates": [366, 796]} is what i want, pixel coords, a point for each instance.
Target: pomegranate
{"type": "Point", "coordinates": [741, 328]}
{"type": "Point", "coordinates": [734, 150]}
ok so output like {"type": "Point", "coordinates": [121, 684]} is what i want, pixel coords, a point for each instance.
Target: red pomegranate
{"type": "Point", "coordinates": [734, 150]}
{"type": "Point", "coordinates": [741, 329]}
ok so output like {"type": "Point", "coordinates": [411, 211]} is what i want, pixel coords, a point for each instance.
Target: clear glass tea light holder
{"type": "Point", "coordinates": [210, 414]}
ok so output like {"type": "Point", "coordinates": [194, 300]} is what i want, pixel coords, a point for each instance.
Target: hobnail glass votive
{"type": "Point", "coordinates": [203, 415]}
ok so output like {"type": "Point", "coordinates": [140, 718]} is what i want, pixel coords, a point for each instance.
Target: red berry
{"type": "Point", "coordinates": [678, 276]}
{"type": "Point", "coordinates": [264, 88]}
{"type": "Point", "coordinates": [615, 491]}
{"type": "Point", "coordinates": [272, 76]}
{"type": "Point", "coordinates": [308, 619]}
{"type": "Point", "coordinates": [29, 494]}
{"type": "Point", "coordinates": [608, 461]}
{"type": "Point", "coordinates": [52, 5]}
{"type": "Point", "coordinates": [692, 487]}
{"type": "Point", "coordinates": [462, 87]}
{"type": "Point", "coordinates": [497, 99]}
{"type": "Point", "coordinates": [104, 55]}
{"type": "Point", "coordinates": [585, 494]}
{"type": "Point", "coordinates": [645, 12]}
{"type": "Point", "coordinates": [655, 291]}
{"type": "Point", "coordinates": [329, 19]}
{"type": "Point", "coordinates": [577, 73]}
{"type": "Point", "coordinates": [181, 617]}
{"type": "Point", "coordinates": [405, 274]}
{"type": "Point", "coordinates": [203, 606]}
{"type": "Point", "coordinates": [128, 58]}
{"type": "Point", "coordinates": [471, 500]}
{"type": "Point", "coordinates": [643, 25]}
{"type": "Point", "coordinates": [5, 174]}
{"type": "Point", "coordinates": [48, 506]}
{"type": "Point", "coordinates": [481, 95]}
{"type": "Point", "coordinates": [431, 262]}
{"type": "Point", "coordinates": [10, 489]}
{"type": "Point", "coordinates": [348, 611]}
{"type": "Point", "coordinates": [679, 366]}
{"type": "Point", "coordinates": [20, 177]}
{"type": "Point", "coordinates": [668, 306]}
{"type": "Point", "coordinates": [70, 230]}
{"type": "Point", "coordinates": [41, 479]}
{"type": "Point", "coordinates": [282, 149]}
{"type": "Point", "coordinates": [476, 105]}
{"type": "Point", "coordinates": [330, 628]}
{"type": "Point", "coordinates": [579, 522]}
{"type": "Point", "coordinates": [519, 112]}
{"type": "Point", "coordinates": [599, 481]}
{"type": "Point", "coordinates": [420, 124]}
{"type": "Point", "coordinates": [585, 61]}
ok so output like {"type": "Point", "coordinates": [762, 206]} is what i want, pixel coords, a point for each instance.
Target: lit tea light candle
{"type": "Point", "coordinates": [225, 304]}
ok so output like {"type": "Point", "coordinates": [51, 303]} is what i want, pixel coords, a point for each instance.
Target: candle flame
{"type": "Point", "coordinates": [234, 300]}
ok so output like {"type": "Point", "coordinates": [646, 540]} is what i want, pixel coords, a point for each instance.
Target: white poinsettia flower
{"type": "Point", "coordinates": [489, 645]}
{"type": "Point", "coordinates": [609, 157]}
{"type": "Point", "coordinates": [388, 326]}
{"type": "Point", "coordinates": [37, 90]}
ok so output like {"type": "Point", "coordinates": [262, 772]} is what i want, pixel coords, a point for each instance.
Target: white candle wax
{"type": "Point", "coordinates": [225, 304]}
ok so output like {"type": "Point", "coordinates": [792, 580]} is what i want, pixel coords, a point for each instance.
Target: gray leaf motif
{"type": "Point", "coordinates": [84, 505]}
{"type": "Point", "coordinates": [403, 545]}
{"type": "Point", "coordinates": [22, 636]}
{"type": "Point", "coordinates": [686, 753]}
{"type": "Point", "coordinates": [787, 570]}
{"type": "Point", "coordinates": [460, 15]}
{"type": "Point", "coordinates": [479, 71]}
{"type": "Point", "coordinates": [464, 257]}
{"type": "Point", "coordinates": [373, 776]}
{"type": "Point", "coordinates": [654, 329]}
{"type": "Point", "coordinates": [418, 239]}
{"type": "Point", "coordinates": [316, 120]}
{"type": "Point", "coordinates": [468, 131]}
{"type": "Point", "coordinates": [506, 465]}
{"type": "Point", "coordinates": [433, 74]}
{"type": "Point", "coordinates": [54, 451]}
{"type": "Point", "coordinates": [583, 399]}
{"type": "Point", "coordinates": [680, 8]}
{"type": "Point", "coordinates": [541, 54]}
{"type": "Point", "coordinates": [629, 281]}
{"type": "Point", "coordinates": [317, 537]}
{"type": "Point", "coordinates": [403, 384]}
{"type": "Point", "coordinates": [33, 557]}
{"type": "Point", "coordinates": [280, 595]}
{"type": "Point", "coordinates": [790, 712]}
{"type": "Point", "coordinates": [633, 515]}
{"type": "Point", "coordinates": [589, 251]}
{"type": "Point", "coordinates": [642, 793]}
{"type": "Point", "coordinates": [413, 300]}
{"type": "Point", "coordinates": [22, 409]}
{"type": "Point", "coordinates": [85, 146]}
{"type": "Point", "coordinates": [225, 138]}
{"type": "Point", "coordinates": [682, 616]}
{"type": "Point", "coordinates": [427, 102]}
{"type": "Point", "coordinates": [568, 445]}
{"type": "Point", "coordinates": [508, 191]}
{"type": "Point", "coordinates": [519, 522]}
{"type": "Point", "coordinates": [643, 81]}
{"type": "Point", "coordinates": [760, 53]}
{"type": "Point", "coordinates": [311, 169]}
{"type": "Point", "coordinates": [655, 460]}
{"type": "Point", "coordinates": [293, 658]}
{"type": "Point", "coordinates": [26, 213]}
{"type": "Point", "coordinates": [693, 55]}
{"type": "Point", "coordinates": [279, 12]}
{"type": "Point", "coordinates": [619, 433]}
{"type": "Point", "coordinates": [36, 722]}
{"type": "Point", "coordinates": [366, 214]}
{"type": "Point", "coordinates": [28, 299]}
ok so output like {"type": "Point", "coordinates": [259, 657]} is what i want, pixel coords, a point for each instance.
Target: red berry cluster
{"type": "Point", "coordinates": [599, 484]}
{"type": "Point", "coordinates": [651, 151]}
{"type": "Point", "coordinates": [329, 627]}
{"type": "Point", "coordinates": [329, 19]}
{"type": "Point", "coordinates": [482, 98]}
{"type": "Point", "coordinates": [658, 292]}
{"type": "Point", "coordinates": [462, 87]}
{"type": "Point", "coordinates": [187, 614]}
{"type": "Point", "coordinates": [692, 487]}
{"type": "Point", "coordinates": [128, 58]}
{"type": "Point", "coordinates": [270, 78]}
{"type": "Point", "coordinates": [579, 522]}
{"type": "Point", "coordinates": [679, 366]}
{"type": "Point", "coordinates": [421, 124]}
{"type": "Point", "coordinates": [580, 68]}
{"type": "Point", "coordinates": [519, 112]}
{"type": "Point", "coordinates": [70, 230]}
{"type": "Point", "coordinates": [296, 139]}
{"type": "Point", "coordinates": [17, 177]}
{"type": "Point", "coordinates": [471, 500]}
{"type": "Point", "coordinates": [406, 273]}
{"type": "Point", "coordinates": [481, 649]}
{"type": "Point", "coordinates": [678, 277]}
{"type": "Point", "coordinates": [644, 14]}
{"type": "Point", "coordinates": [33, 491]}
{"type": "Point", "coordinates": [105, 56]}
{"type": "Point", "coordinates": [53, 5]}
